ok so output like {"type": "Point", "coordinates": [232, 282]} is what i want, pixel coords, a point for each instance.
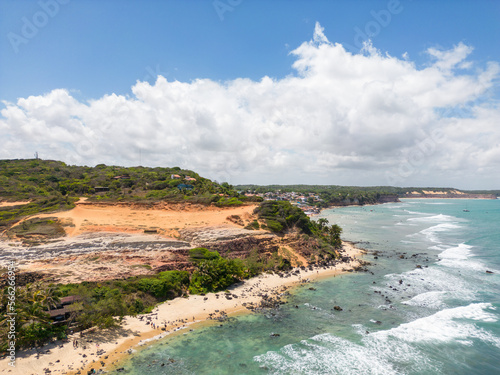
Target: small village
{"type": "Point", "coordinates": [305, 201]}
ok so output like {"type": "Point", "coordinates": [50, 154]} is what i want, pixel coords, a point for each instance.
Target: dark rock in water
{"type": "Point", "coordinates": [378, 322]}
{"type": "Point", "coordinates": [171, 360]}
{"type": "Point", "coordinates": [489, 271]}
{"type": "Point", "coordinates": [312, 288]}
{"type": "Point", "coordinates": [419, 266]}
{"type": "Point", "coordinates": [275, 334]}
{"type": "Point", "coordinates": [337, 308]}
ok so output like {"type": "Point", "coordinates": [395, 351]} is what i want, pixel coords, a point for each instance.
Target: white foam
{"type": "Point", "coordinates": [430, 287]}
{"type": "Point", "coordinates": [430, 233]}
{"type": "Point", "coordinates": [435, 203]}
{"type": "Point", "coordinates": [460, 252]}
{"type": "Point", "coordinates": [432, 300]}
{"type": "Point", "coordinates": [433, 219]}
{"type": "Point", "coordinates": [327, 354]}
{"type": "Point", "coordinates": [417, 212]}
{"type": "Point", "coordinates": [446, 326]}
{"type": "Point", "coordinates": [312, 307]}
{"type": "Point", "coordinates": [460, 257]}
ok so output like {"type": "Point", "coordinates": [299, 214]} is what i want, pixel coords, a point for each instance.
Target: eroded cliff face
{"type": "Point", "coordinates": [231, 242]}
{"type": "Point", "coordinates": [105, 256]}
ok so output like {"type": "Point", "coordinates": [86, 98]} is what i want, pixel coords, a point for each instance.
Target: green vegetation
{"type": "Point", "coordinates": [282, 217]}
{"type": "Point", "coordinates": [33, 323]}
{"type": "Point", "coordinates": [254, 225]}
{"type": "Point", "coordinates": [214, 273]}
{"type": "Point", "coordinates": [52, 185]}
{"type": "Point", "coordinates": [31, 229]}
{"type": "Point", "coordinates": [100, 304]}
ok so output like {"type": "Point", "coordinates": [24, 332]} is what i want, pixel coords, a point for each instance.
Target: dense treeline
{"type": "Point", "coordinates": [340, 195]}
{"type": "Point", "coordinates": [495, 192]}
{"type": "Point", "coordinates": [100, 304]}
{"type": "Point", "coordinates": [52, 185]}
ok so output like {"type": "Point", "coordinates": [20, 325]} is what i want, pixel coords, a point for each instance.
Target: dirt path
{"type": "Point", "coordinates": [295, 258]}
{"type": "Point", "coordinates": [10, 204]}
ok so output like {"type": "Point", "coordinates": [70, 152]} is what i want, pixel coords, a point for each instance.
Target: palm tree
{"type": "Point", "coordinates": [322, 223]}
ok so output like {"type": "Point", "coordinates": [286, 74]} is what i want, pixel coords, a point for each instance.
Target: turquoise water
{"type": "Point", "coordinates": [427, 306]}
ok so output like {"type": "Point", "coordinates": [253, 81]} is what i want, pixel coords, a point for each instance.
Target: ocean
{"type": "Point", "coordinates": [427, 304]}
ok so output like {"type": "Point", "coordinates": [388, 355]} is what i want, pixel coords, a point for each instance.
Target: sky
{"type": "Point", "coordinates": [392, 92]}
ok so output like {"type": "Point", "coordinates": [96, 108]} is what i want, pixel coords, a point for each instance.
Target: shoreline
{"type": "Point", "coordinates": [114, 346]}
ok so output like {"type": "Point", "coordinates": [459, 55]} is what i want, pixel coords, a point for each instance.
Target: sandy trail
{"type": "Point", "coordinates": [10, 204]}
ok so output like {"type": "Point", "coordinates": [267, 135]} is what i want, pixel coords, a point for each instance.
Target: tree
{"type": "Point", "coordinates": [322, 223]}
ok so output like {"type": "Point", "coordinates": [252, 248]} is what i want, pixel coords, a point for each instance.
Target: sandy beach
{"type": "Point", "coordinates": [105, 349]}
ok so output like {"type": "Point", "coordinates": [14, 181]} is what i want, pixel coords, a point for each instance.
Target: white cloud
{"type": "Point", "coordinates": [343, 118]}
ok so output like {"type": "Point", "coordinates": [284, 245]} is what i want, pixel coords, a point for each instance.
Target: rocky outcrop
{"type": "Point", "coordinates": [230, 242]}
{"type": "Point", "coordinates": [388, 198]}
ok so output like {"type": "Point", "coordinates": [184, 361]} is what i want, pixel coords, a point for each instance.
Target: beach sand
{"type": "Point", "coordinates": [167, 218]}
{"type": "Point", "coordinates": [111, 346]}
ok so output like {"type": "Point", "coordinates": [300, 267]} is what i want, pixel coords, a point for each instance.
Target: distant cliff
{"type": "Point", "coordinates": [382, 198]}
{"type": "Point", "coordinates": [445, 194]}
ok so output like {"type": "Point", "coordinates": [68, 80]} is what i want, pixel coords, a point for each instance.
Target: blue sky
{"type": "Point", "coordinates": [99, 47]}
{"type": "Point", "coordinates": [94, 49]}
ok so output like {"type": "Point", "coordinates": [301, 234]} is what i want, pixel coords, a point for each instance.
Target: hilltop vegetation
{"type": "Point", "coordinates": [52, 185]}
